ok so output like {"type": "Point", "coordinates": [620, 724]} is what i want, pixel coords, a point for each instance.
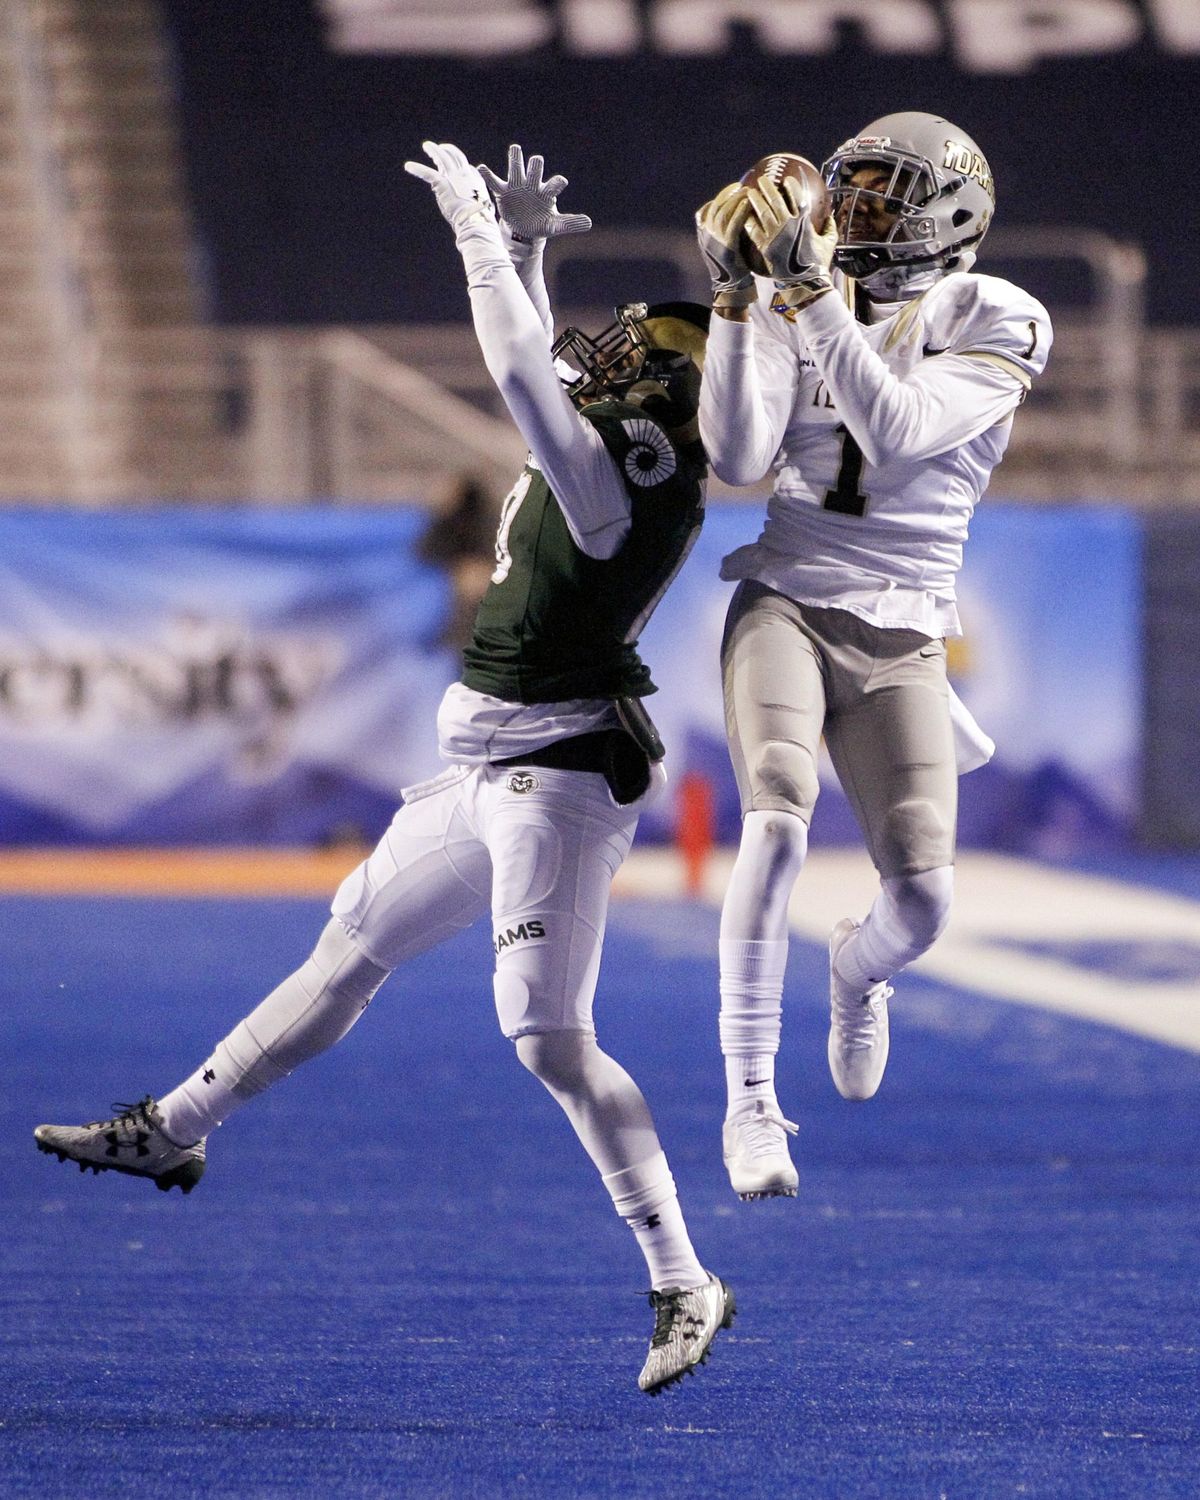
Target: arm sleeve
{"type": "Point", "coordinates": [746, 398]}
{"type": "Point", "coordinates": [528, 257]}
{"type": "Point", "coordinates": [569, 451]}
{"type": "Point", "coordinates": [945, 401]}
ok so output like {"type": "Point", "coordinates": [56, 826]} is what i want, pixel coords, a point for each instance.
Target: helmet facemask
{"type": "Point", "coordinates": [650, 356]}
{"type": "Point", "coordinates": [608, 362]}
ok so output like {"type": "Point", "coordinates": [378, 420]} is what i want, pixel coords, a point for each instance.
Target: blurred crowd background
{"type": "Point", "coordinates": [250, 458]}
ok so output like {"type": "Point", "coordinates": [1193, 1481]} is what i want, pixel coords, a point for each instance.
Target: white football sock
{"type": "Point", "coordinates": [609, 1115]}
{"type": "Point", "coordinates": [753, 953]}
{"type": "Point", "coordinates": [302, 1017]}
{"type": "Point", "coordinates": [645, 1198]}
{"type": "Point", "coordinates": [749, 1078]}
{"type": "Point", "coordinates": [750, 1019]}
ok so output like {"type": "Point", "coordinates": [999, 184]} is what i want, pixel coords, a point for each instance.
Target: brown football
{"type": "Point", "coordinates": [781, 167]}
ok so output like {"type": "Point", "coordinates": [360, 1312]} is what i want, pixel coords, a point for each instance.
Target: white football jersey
{"type": "Point", "coordinates": [883, 437]}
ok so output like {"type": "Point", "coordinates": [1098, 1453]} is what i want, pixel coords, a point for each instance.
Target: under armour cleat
{"type": "Point", "coordinates": [131, 1142]}
{"type": "Point", "coordinates": [754, 1144]}
{"type": "Point", "coordinates": [858, 1026]}
{"type": "Point", "coordinates": [685, 1324]}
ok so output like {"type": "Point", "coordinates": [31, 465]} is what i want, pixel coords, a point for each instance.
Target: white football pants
{"type": "Point", "coordinates": [539, 846]}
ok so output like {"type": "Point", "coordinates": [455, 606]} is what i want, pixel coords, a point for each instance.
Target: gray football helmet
{"type": "Point", "coordinates": [939, 190]}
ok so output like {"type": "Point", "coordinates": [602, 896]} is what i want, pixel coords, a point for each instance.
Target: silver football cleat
{"type": "Point", "coordinates": [685, 1324]}
{"type": "Point", "coordinates": [132, 1142]}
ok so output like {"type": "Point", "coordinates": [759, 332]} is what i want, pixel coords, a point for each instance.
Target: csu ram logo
{"type": "Point", "coordinates": [521, 934]}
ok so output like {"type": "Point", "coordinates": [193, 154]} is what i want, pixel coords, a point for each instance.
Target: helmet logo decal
{"type": "Point", "coordinates": [960, 158]}
{"type": "Point", "coordinates": [651, 457]}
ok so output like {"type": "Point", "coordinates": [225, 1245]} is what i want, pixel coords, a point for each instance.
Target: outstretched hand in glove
{"type": "Point", "coordinates": [528, 206]}
{"type": "Point", "coordinates": [460, 191]}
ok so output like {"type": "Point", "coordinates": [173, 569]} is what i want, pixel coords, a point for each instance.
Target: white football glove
{"type": "Point", "coordinates": [719, 225]}
{"type": "Point", "coordinates": [460, 191]}
{"type": "Point", "coordinates": [528, 206]}
{"type": "Point", "coordinates": [797, 252]}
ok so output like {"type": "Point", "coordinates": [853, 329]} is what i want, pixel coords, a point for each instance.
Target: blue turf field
{"type": "Point", "coordinates": [401, 1277]}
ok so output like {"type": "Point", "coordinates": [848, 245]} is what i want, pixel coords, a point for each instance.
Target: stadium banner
{"type": "Point", "coordinates": [1061, 698]}
{"type": "Point", "coordinates": [297, 116]}
{"type": "Point", "coordinates": [205, 676]}
{"type": "Point", "coordinates": [214, 676]}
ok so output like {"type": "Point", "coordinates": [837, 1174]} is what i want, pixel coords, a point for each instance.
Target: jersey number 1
{"type": "Point", "coordinates": [845, 497]}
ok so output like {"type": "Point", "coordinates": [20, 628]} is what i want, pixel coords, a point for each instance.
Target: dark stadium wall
{"type": "Point", "coordinates": [1171, 677]}
{"type": "Point", "coordinates": [296, 122]}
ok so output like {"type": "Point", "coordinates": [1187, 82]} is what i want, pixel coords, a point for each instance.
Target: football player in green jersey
{"type": "Point", "coordinates": [551, 755]}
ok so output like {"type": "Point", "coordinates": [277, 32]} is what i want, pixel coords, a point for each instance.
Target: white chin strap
{"type": "Point", "coordinates": [901, 283]}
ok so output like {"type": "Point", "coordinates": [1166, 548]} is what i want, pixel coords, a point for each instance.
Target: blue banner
{"type": "Point", "coordinates": [214, 676]}
{"type": "Point", "coordinates": [1050, 665]}
{"type": "Point", "coordinates": [272, 676]}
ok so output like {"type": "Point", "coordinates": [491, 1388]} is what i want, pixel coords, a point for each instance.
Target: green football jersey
{"type": "Point", "coordinates": [556, 624]}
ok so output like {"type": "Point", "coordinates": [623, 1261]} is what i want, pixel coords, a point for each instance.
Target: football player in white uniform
{"type": "Point", "coordinates": [878, 377]}
{"type": "Point", "coordinates": [551, 756]}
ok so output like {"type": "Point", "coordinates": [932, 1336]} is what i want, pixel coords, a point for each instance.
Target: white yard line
{"type": "Point", "coordinates": [1000, 903]}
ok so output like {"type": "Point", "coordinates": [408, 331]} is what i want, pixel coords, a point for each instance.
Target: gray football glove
{"type": "Point", "coordinates": [719, 225]}
{"type": "Point", "coordinates": [460, 191]}
{"type": "Point", "coordinates": [797, 252]}
{"type": "Point", "coordinates": [528, 206]}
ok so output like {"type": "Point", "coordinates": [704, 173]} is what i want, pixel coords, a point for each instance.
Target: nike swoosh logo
{"type": "Point", "coordinates": [751, 1082]}
{"type": "Point", "coordinates": [929, 351]}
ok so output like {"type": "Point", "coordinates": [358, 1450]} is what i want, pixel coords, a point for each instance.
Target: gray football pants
{"type": "Point", "coordinates": [792, 672]}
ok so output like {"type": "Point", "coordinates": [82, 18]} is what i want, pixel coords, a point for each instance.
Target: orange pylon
{"type": "Point", "coordinates": [694, 827]}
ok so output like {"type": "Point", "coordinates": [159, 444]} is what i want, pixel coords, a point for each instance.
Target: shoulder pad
{"type": "Point", "coordinates": [970, 314]}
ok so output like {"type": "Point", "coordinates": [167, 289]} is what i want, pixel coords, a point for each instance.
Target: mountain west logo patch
{"type": "Point", "coordinates": [522, 781]}
{"type": "Point", "coordinates": [651, 458]}
{"type": "Point", "coordinates": [519, 934]}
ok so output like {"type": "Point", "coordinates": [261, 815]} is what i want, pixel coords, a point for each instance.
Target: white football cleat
{"type": "Point", "coordinates": [754, 1145]}
{"type": "Point", "coordinates": [132, 1142]}
{"type": "Point", "coordinates": [858, 1026]}
{"type": "Point", "coordinates": [685, 1324]}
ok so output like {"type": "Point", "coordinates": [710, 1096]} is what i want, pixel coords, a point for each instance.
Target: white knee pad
{"type": "Point", "coordinates": [915, 834]}
{"type": "Point", "coordinates": [517, 1004]}
{"type": "Point", "coordinates": [785, 772]}
{"type": "Point", "coordinates": [545, 976]}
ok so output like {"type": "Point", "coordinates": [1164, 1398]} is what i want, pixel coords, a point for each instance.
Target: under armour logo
{"type": "Point", "coordinates": [209, 1075]}
{"type": "Point", "coordinates": [116, 1145]}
